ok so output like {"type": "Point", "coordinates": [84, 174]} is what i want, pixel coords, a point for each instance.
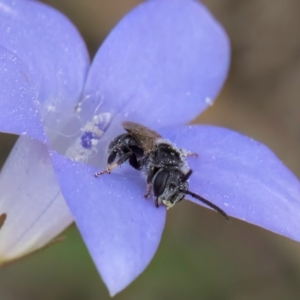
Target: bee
{"type": "Point", "coordinates": [164, 164]}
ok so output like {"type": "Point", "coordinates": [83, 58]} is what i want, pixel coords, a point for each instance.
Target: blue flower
{"type": "Point", "coordinates": [162, 65]}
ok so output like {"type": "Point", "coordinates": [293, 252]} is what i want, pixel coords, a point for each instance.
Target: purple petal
{"type": "Point", "coordinates": [18, 98]}
{"type": "Point", "coordinates": [121, 229]}
{"type": "Point", "coordinates": [42, 71]}
{"type": "Point", "coordinates": [54, 52]}
{"type": "Point", "coordinates": [30, 196]}
{"type": "Point", "coordinates": [163, 64]}
{"type": "Point", "coordinates": [243, 177]}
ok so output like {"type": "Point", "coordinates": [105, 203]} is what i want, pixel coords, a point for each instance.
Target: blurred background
{"type": "Point", "coordinates": [200, 256]}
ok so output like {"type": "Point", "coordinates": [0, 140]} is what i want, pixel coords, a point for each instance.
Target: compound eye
{"type": "Point", "coordinates": [159, 184]}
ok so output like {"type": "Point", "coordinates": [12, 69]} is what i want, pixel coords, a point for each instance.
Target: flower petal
{"type": "Point", "coordinates": [243, 177]}
{"type": "Point", "coordinates": [121, 229]}
{"type": "Point", "coordinates": [50, 45]}
{"type": "Point", "coordinates": [162, 65]}
{"type": "Point", "coordinates": [18, 97]}
{"type": "Point", "coordinates": [43, 67]}
{"type": "Point", "coordinates": [30, 196]}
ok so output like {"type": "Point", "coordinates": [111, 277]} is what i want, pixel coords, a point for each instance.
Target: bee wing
{"type": "Point", "coordinates": [144, 135]}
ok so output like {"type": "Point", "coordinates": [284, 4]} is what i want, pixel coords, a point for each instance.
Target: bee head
{"type": "Point", "coordinates": [168, 184]}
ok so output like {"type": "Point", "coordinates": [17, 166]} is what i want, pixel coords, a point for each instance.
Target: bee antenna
{"type": "Point", "coordinates": [187, 175]}
{"type": "Point", "coordinates": [208, 203]}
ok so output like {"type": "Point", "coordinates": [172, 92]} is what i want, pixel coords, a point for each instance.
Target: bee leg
{"type": "Point", "coordinates": [107, 170]}
{"type": "Point", "coordinates": [149, 186]}
{"type": "Point", "coordinates": [188, 153]}
{"type": "Point", "coordinates": [150, 176]}
{"type": "Point", "coordinates": [111, 166]}
{"type": "Point", "coordinates": [120, 161]}
{"type": "Point", "coordinates": [156, 202]}
{"type": "Point", "coordinates": [134, 162]}
{"type": "Point", "coordinates": [112, 156]}
{"type": "Point", "coordinates": [187, 175]}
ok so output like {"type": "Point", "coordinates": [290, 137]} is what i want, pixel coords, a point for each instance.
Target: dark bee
{"type": "Point", "coordinates": [163, 163]}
